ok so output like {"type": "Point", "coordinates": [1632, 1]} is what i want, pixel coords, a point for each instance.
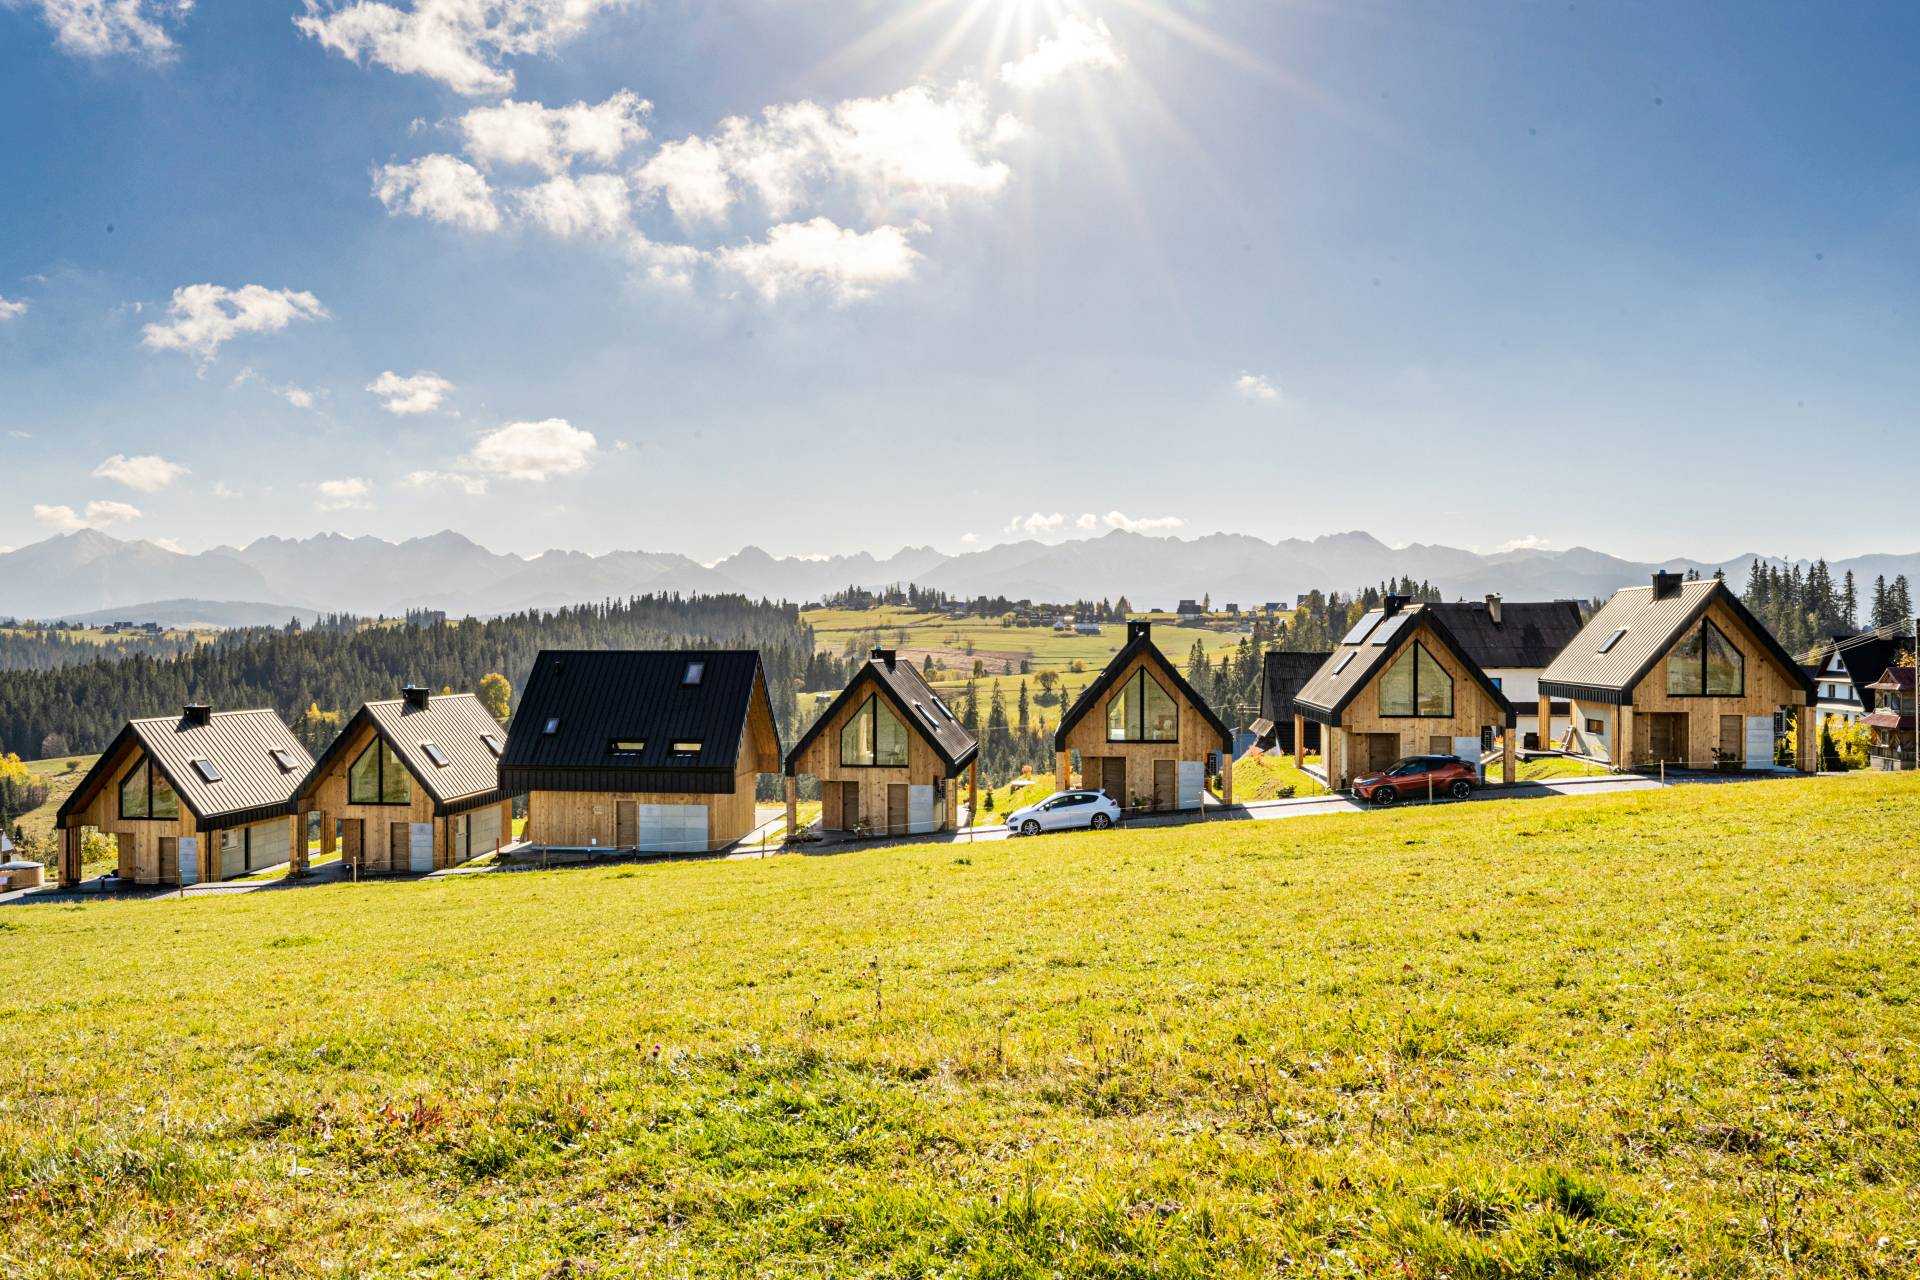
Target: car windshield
{"type": "Point", "coordinates": [1406, 767]}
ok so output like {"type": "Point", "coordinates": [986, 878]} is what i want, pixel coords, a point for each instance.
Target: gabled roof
{"type": "Point", "coordinates": [917, 706]}
{"type": "Point", "coordinates": [1529, 635]}
{"type": "Point", "coordinates": [1139, 642]}
{"type": "Point", "coordinates": [1868, 654]}
{"type": "Point", "coordinates": [598, 697]}
{"type": "Point", "coordinates": [1351, 666]}
{"type": "Point", "coordinates": [1647, 628]}
{"type": "Point", "coordinates": [1283, 675]}
{"type": "Point", "coordinates": [238, 744]}
{"type": "Point", "coordinates": [1895, 679]}
{"type": "Point", "coordinates": [454, 723]}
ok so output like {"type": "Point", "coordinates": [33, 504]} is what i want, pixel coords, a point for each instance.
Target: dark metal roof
{"type": "Point", "coordinates": [1647, 627]}
{"type": "Point", "coordinates": [901, 685]}
{"type": "Point", "coordinates": [1284, 676]}
{"type": "Point", "coordinates": [238, 744]}
{"type": "Point", "coordinates": [1529, 635]}
{"type": "Point", "coordinates": [452, 722]}
{"type": "Point", "coordinates": [1867, 655]}
{"type": "Point", "coordinates": [1349, 668]}
{"type": "Point", "coordinates": [1140, 641]}
{"type": "Point", "coordinates": [597, 697]}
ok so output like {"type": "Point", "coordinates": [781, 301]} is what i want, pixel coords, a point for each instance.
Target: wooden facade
{"type": "Point", "coordinates": [1367, 740]}
{"type": "Point", "coordinates": [1143, 776]}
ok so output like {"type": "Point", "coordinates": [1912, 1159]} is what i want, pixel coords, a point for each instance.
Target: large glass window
{"type": "Point", "coordinates": [1142, 711]}
{"type": "Point", "coordinates": [378, 777]}
{"type": "Point", "coordinates": [1706, 665]}
{"type": "Point", "coordinates": [873, 737]}
{"type": "Point", "coordinates": [146, 793]}
{"type": "Point", "coordinates": [1416, 685]}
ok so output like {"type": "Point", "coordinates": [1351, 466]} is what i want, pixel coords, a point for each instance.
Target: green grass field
{"type": "Point", "coordinates": [1548, 768]}
{"type": "Point", "coordinates": [1671, 1033]}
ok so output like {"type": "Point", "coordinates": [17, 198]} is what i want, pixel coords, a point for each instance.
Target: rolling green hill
{"type": "Point", "coordinates": [1657, 1034]}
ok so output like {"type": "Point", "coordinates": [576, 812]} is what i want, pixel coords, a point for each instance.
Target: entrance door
{"type": "Point", "coordinates": [1166, 784]}
{"type": "Point", "coordinates": [1113, 779]}
{"type": "Point", "coordinates": [896, 808]}
{"type": "Point", "coordinates": [129, 857]}
{"type": "Point", "coordinates": [399, 845]}
{"type": "Point", "coordinates": [1383, 751]}
{"type": "Point", "coordinates": [626, 824]}
{"type": "Point", "coordinates": [849, 805]}
{"type": "Point", "coordinates": [169, 859]}
{"type": "Point", "coordinates": [1733, 739]}
{"type": "Point", "coordinates": [353, 842]}
{"type": "Point", "coordinates": [1666, 737]}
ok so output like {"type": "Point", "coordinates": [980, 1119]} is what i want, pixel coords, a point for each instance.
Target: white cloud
{"type": "Point", "coordinates": [969, 539]}
{"type": "Point", "coordinates": [1528, 542]}
{"type": "Point", "coordinates": [297, 396]}
{"type": "Point", "coordinates": [1037, 523]}
{"type": "Point", "coordinates": [98, 514]}
{"type": "Point", "coordinates": [443, 188]}
{"type": "Point", "coordinates": [208, 315]}
{"type": "Point", "coordinates": [100, 28]}
{"type": "Point", "coordinates": [221, 489]}
{"type": "Point", "coordinates": [666, 266]}
{"type": "Point", "coordinates": [472, 486]}
{"type": "Point", "coordinates": [1153, 524]}
{"type": "Point", "coordinates": [169, 544]}
{"type": "Point", "coordinates": [339, 495]}
{"type": "Point", "coordinates": [420, 393]}
{"type": "Point", "coordinates": [11, 309]}
{"type": "Point", "coordinates": [146, 473]}
{"type": "Point", "coordinates": [1077, 45]}
{"type": "Point", "coordinates": [914, 150]}
{"type": "Point", "coordinates": [460, 43]}
{"type": "Point", "coordinates": [550, 138]}
{"type": "Point", "coordinates": [1256, 386]}
{"type": "Point", "coordinates": [596, 205]}
{"type": "Point", "coordinates": [533, 450]}
{"type": "Point", "coordinates": [5, 548]}
{"type": "Point", "coordinates": [843, 264]}
{"type": "Point", "coordinates": [1087, 521]}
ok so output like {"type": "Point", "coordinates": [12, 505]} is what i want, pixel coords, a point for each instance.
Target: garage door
{"type": "Point", "coordinates": [420, 847]}
{"type": "Point", "coordinates": [673, 828]}
{"type": "Point", "coordinates": [484, 824]}
{"type": "Point", "coordinates": [920, 809]}
{"type": "Point", "coordinates": [1193, 781]}
{"type": "Point", "coordinates": [272, 845]}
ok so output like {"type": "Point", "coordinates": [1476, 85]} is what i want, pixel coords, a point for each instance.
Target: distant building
{"type": "Point", "coordinates": [1189, 608]}
{"type": "Point", "coordinates": [1284, 675]}
{"type": "Point", "coordinates": [1087, 629]}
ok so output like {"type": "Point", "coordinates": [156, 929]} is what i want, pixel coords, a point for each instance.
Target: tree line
{"type": "Point", "coordinates": [32, 647]}
{"type": "Point", "coordinates": [332, 669]}
{"type": "Point", "coordinates": [1805, 610]}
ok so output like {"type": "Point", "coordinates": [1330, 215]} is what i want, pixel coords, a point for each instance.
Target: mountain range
{"type": "Point", "coordinates": [88, 573]}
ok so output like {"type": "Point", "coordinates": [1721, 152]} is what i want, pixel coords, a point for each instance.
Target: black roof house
{"type": "Point", "coordinates": [1283, 676]}
{"type": "Point", "coordinates": [1139, 641]}
{"type": "Point", "coordinates": [914, 702]}
{"type": "Point", "coordinates": [418, 726]}
{"type": "Point", "coordinates": [1866, 657]}
{"type": "Point", "coordinates": [583, 711]}
{"type": "Point", "coordinates": [1526, 635]}
{"type": "Point", "coordinates": [229, 768]}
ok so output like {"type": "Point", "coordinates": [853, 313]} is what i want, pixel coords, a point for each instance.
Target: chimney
{"type": "Point", "coordinates": [1666, 585]}
{"type": "Point", "coordinates": [415, 697]}
{"type": "Point", "coordinates": [884, 657]}
{"type": "Point", "coordinates": [1139, 631]}
{"type": "Point", "coordinates": [1493, 607]}
{"type": "Point", "coordinates": [1394, 604]}
{"type": "Point", "coordinates": [197, 713]}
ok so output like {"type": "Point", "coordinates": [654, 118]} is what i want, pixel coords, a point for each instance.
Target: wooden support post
{"type": "Point", "coordinates": [1299, 740]}
{"type": "Point", "coordinates": [69, 857]}
{"type": "Point", "coordinates": [973, 793]}
{"type": "Point", "coordinates": [1805, 741]}
{"type": "Point", "coordinates": [1060, 779]}
{"type": "Point", "coordinates": [1622, 752]}
{"type": "Point", "coordinates": [297, 856]}
{"type": "Point", "coordinates": [1510, 756]}
{"type": "Point", "coordinates": [1546, 722]}
{"type": "Point", "coordinates": [793, 807]}
{"type": "Point", "coordinates": [1333, 754]}
{"type": "Point", "coordinates": [1226, 777]}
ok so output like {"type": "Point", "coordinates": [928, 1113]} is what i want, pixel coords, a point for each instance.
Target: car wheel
{"type": "Point", "coordinates": [1030, 828]}
{"type": "Point", "coordinates": [1461, 789]}
{"type": "Point", "coordinates": [1385, 796]}
{"type": "Point", "coordinates": [1100, 822]}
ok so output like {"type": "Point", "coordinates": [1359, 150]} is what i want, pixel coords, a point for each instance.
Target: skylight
{"type": "Point", "coordinates": [696, 672]}
{"type": "Point", "coordinates": [207, 770]}
{"type": "Point", "coordinates": [287, 761]}
{"type": "Point", "coordinates": [553, 727]}
{"type": "Point", "coordinates": [928, 717]}
{"type": "Point", "coordinates": [1612, 640]}
{"type": "Point", "coordinates": [493, 742]}
{"type": "Point", "coordinates": [627, 746]}
{"type": "Point", "coordinates": [687, 747]}
{"type": "Point", "coordinates": [435, 754]}
{"type": "Point", "coordinates": [1345, 658]}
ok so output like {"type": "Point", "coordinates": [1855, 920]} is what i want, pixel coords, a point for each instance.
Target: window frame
{"type": "Point", "coordinates": [1129, 736]}
{"type": "Point", "coordinates": [873, 736]}
{"type": "Point", "coordinates": [120, 794]}
{"type": "Point", "coordinates": [1412, 654]}
{"type": "Point", "coordinates": [1700, 631]}
{"type": "Point", "coordinates": [380, 745]}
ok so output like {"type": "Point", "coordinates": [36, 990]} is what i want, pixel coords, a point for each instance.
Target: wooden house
{"type": "Point", "coordinates": [1680, 673]}
{"type": "Point", "coordinates": [643, 751]}
{"type": "Point", "coordinates": [205, 795]}
{"type": "Point", "coordinates": [412, 785]}
{"type": "Point", "coordinates": [1891, 721]}
{"type": "Point", "coordinates": [1143, 734]}
{"type": "Point", "coordinates": [1282, 676]}
{"type": "Point", "coordinates": [887, 753]}
{"type": "Point", "coordinates": [1513, 642]}
{"type": "Point", "coordinates": [1401, 684]}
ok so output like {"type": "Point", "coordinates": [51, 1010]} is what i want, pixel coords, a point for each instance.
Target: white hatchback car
{"type": "Point", "coordinates": [1065, 811]}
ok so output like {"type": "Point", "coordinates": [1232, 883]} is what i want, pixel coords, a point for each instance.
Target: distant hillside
{"type": "Point", "coordinates": [189, 614]}
{"type": "Point", "coordinates": [89, 574]}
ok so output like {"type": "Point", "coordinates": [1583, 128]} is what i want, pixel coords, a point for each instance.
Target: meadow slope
{"type": "Point", "coordinates": [1667, 1033]}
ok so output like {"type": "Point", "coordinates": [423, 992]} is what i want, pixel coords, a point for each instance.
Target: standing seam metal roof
{"type": "Point", "coordinates": [452, 722]}
{"type": "Point", "coordinates": [236, 743]}
{"type": "Point", "coordinates": [1142, 642]}
{"type": "Point", "coordinates": [904, 687]}
{"type": "Point", "coordinates": [1350, 666]}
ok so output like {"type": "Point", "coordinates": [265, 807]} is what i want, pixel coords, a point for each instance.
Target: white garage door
{"type": "Point", "coordinates": [189, 849]}
{"type": "Point", "coordinates": [272, 844]}
{"type": "Point", "coordinates": [673, 828]}
{"type": "Point", "coordinates": [420, 848]}
{"type": "Point", "coordinates": [1193, 781]}
{"type": "Point", "coordinates": [919, 810]}
{"type": "Point", "coordinates": [484, 824]}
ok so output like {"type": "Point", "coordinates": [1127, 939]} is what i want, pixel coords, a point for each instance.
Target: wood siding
{"type": "Point", "coordinates": [924, 766]}
{"type": "Point", "coordinates": [1768, 689]}
{"type": "Point", "coordinates": [1364, 738]}
{"type": "Point", "coordinates": [379, 855]}
{"type": "Point", "coordinates": [1089, 737]}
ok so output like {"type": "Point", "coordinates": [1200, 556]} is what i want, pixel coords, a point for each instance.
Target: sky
{"type": "Point", "coordinates": [837, 275]}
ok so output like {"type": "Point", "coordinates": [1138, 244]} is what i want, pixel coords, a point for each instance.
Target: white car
{"type": "Point", "coordinates": [1065, 811]}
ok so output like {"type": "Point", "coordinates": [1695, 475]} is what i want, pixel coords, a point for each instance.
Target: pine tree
{"type": "Point", "coordinates": [1849, 603]}
{"type": "Point", "coordinates": [1899, 600]}
{"type": "Point", "coordinates": [1021, 711]}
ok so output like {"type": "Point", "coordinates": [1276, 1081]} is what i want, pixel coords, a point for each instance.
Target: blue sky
{"type": "Point", "coordinates": [1640, 277]}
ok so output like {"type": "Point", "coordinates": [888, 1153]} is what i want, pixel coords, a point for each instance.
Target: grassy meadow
{"type": "Point", "coordinates": [1665, 1033]}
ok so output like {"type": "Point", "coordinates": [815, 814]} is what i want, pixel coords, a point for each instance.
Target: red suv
{"type": "Point", "coordinates": [1410, 779]}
